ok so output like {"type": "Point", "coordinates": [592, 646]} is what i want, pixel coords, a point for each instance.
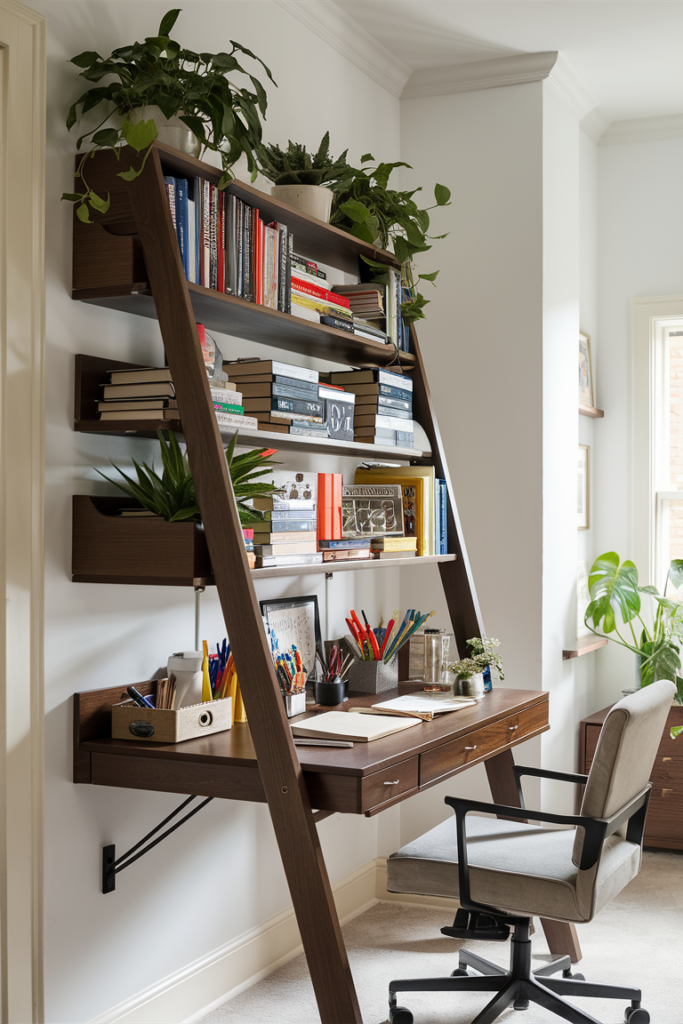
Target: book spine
{"type": "Point", "coordinates": [395, 380]}
{"type": "Point", "coordinates": [214, 237]}
{"type": "Point", "coordinates": [292, 406]}
{"type": "Point", "coordinates": [169, 182]}
{"type": "Point", "coordinates": [206, 236]}
{"type": "Point", "coordinates": [291, 391]}
{"type": "Point", "coordinates": [321, 306]}
{"type": "Point", "coordinates": [220, 243]}
{"type": "Point", "coordinates": [240, 249]}
{"type": "Point", "coordinates": [443, 501]}
{"type": "Point", "coordinates": [235, 410]}
{"type": "Point", "coordinates": [248, 254]}
{"type": "Point", "coordinates": [228, 419]}
{"type": "Point", "coordinates": [308, 267]}
{"type": "Point", "coordinates": [336, 514]}
{"type": "Point", "coordinates": [398, 405]}
{"type": "Point", "coordinates": [230, 245]}
{"type": "Point", "coordinates": [282, 250]}
{"type": "Point", "coordinates": [192, 237]}
{"type": "Point", "coordinates": [288, 281]}
{"type": "Point", "coordinates": [299, 284]}
{"type": "Point", "coordinates": [181, 216]}
{"type": "Point", "coordinates": [324, 506]}
{"type": "Point", "coordinates": [335, 321]}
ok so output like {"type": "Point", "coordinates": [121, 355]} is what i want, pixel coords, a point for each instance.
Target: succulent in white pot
{"type": "Point", "coordinates": [302, 179]}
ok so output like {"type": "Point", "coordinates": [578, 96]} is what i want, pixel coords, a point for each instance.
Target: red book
{"type": "Point", "coordinates": [329, 502]}
{"type": "Point", "coordinates": [300, 285]}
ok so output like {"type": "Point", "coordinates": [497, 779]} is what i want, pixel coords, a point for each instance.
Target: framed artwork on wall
{"type": "Point", "coordinates": [583, 484]}
{"type": "Point", "coordinates": [586, 395]}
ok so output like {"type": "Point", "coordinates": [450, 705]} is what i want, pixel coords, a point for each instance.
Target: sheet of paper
{"type": "Point", "coordinates": [421, 702]}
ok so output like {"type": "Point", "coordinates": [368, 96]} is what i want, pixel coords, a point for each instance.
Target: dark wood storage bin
{"type": "Point", "coordinates": [664, 825]}
{"type": "Point", "coordinates": [108, 548]}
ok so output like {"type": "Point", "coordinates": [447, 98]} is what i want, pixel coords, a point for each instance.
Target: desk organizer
{"type": "Point", "coordinates": [149, 725]}
{"type": "Point", "coordinates": [373, 676]}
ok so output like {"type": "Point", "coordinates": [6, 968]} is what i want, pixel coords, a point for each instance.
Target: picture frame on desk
{"type": "Point", "coordinates": [586, 389]}
{"type": "Point", "coordinates": [583, 488]}
{"type": "Point", "coordinates": [296, 620]}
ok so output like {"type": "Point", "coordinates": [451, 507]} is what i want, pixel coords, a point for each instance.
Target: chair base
{"type": "Point", "coordinates": [519, 986]}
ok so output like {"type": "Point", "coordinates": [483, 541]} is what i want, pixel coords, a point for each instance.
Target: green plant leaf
{"type": "Point", "coordinates": [140, 135]}
{"type": "Point", "coordinates": [130, 175]}
{"type": "Point", "coordinates": [82, 214]}
{"type": "Point", "coordinates": [355, 211]}
{"type": "Point", "coordinates": [73, 197]}
{"type": "Point", "coordinates": [366, 157]}
{"type": "Point", "coordinates": [106, 137]}
{"type": "Point", "coordinates": [659, 661]}
{"type": "Point", "coordinates": [363, 232]}
{"type": "Point", "coordinates": [85, 59]}
{"type": "Point", "coordinates": [676, 572]}
{"type": "Point", "coordinates": [442, 195]}
{"type": "Point", "coordinates": [612, 587]}
{"type": "Point", "coordinates": [429, 277]}
{"type": "Point", "coordinates": [402, 250]}
{"type": "Point", "coordinates": [168, 21]}
{"type": "Point", "coordinates": [101, 205]}
{"type": "Point", "coordinates": [676, 730]}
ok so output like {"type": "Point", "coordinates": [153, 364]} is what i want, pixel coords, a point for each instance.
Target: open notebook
{"type": "Point", "coordinates": [340, 725]}
{"type": "Point", "coordinates": [418, 705]}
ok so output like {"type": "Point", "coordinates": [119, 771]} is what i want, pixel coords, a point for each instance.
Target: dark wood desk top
{"type": "Point", "coordinates": [235, 746]}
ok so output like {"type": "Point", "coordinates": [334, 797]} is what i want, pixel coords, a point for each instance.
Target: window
{"type": "Point", "coordinates": [668, 450]}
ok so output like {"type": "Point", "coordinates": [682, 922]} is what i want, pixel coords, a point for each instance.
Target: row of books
{"type": "Point", "coordinates": [226, 245]}
{"type": "Point", "coordinates": [368, 405]}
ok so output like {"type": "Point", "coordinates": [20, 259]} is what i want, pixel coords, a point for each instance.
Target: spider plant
{"type": "Point", "coordinates": [172, 495]}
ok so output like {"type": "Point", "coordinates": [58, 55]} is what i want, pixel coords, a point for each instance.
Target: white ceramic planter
{"type": "Point", "coordinates": [472, 686]}
{"type": "Point", "coordinates": [315, 200]}
{"type": "Point", "coordinates": [171, 131]}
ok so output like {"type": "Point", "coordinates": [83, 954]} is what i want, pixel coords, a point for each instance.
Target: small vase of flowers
{"type": "Point", "coordinates": [470, 673]}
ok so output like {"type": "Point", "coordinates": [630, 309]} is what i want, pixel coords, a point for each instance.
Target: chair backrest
{"type": "Point", "coordinates": [626, 752]}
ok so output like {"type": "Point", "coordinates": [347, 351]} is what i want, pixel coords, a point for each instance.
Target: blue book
{"type": "Point", "coordinates": [182, 225]}
{"type": "Point", "coordinates": [443, 516]}
{"type": "Point", "coordinates": [340, 545]}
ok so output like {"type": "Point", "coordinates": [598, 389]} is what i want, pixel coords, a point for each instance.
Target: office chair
{"type": "Point", "coordinates": [505, 872]}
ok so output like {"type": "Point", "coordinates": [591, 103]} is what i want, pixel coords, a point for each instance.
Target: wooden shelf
{"type": "Point", "coordinates": [227, 314]}
{"type": "Point", "coordinates": [584, 645]}
{"type": "Point", "coordinates": [388, 563]}
{"type": "Point", "coordinates": [91, 372]}
{"type": "Point", "coordinates": [590, 410]}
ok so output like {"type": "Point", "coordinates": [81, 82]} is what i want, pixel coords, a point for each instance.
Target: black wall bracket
{"type": "Point", "coordinates": [111, 865]}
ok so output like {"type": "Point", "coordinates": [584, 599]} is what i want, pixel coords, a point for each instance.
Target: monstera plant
{"type": "Point", "coordinates": [639, 618]}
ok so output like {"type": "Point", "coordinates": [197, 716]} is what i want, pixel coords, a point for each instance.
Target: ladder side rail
{"type": "Point", "coordinates": [456, 577]}
{"type": "Point", "coordinates": [281, 772]}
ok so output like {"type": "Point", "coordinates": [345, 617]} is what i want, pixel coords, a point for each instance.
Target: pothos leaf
{"type": "Point", "coordinates": [140, 135]}
{"type": "Point", "coordinates": [82, 214]}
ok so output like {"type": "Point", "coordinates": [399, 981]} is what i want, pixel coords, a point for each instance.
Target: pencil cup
{"type": "Point", "coordinates": [373, 676]}
{"type": "Point", "coordinates": [295, 703]}
{"type": "Point", "coordinates": [329, 693]}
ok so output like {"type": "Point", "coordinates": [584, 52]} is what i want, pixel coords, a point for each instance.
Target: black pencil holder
{"type": "Point", "coordinates": [329, 693]}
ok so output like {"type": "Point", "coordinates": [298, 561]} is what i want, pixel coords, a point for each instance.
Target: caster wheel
{"type": "Point", "coordinates": [636, 1015]}
{"type": "Point", "coordinates": [461, 972]}
{"type": "Point", "coordinates": [574, 977]}
{"type": "Point", "coordinates": [399, 1015]}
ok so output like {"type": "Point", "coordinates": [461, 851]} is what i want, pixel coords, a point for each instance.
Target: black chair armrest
{"type": "Point", "coordinates": [543, 773]}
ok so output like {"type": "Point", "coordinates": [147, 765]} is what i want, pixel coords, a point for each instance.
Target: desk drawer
{"type": "Point", "coordinates": [450, 757]}
{"type": "Point", "coordinates": [386, 785]}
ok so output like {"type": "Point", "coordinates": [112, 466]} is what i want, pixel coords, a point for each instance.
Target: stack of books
{"type": "Point", "coordinates": [282, 397]}
{"type": "Point", "coordinates": [248, 534]}
{"type": "Point", "coordinates": [226, 245]}
{"type": "Point", "coordinates": [384, 406]}
{"type": "Point", "coordinates": [311, 299]}
{"type": "Point", "coordinates": [148, 394]}
{"type": "Point", "coordinates": [287, 536]}
{"type": "Point", "coordinates": [334, 544]}
{"type": "Point", "coordinates": [377, 309]}
{"type": "Point", "coordinates": [424, 503]}
{"type": "Point", "coordinates": [394, 547]}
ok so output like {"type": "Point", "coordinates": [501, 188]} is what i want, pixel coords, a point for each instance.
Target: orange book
{"type": "Point", "coordinates": [329, 506]}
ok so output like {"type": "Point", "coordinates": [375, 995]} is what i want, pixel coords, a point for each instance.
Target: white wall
{"type": "Point", "coordinates": [221, 874]}
{"type": "Point", "coordinates": [640, 224]}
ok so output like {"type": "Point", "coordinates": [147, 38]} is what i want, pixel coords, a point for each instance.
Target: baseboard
{"type": "Point", "coordinates": [194, 991]}
{"type": "Point", "coordinates": [225, 972]}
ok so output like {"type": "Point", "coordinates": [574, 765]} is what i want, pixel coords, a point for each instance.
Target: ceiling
{"type": "Point", "coordinates": [627, 55]}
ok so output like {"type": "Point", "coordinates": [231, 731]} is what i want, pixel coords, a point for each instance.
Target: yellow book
{"type": "Point", "coordinates": [421, 478]}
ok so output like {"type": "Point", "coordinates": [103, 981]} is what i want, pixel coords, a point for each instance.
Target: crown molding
{"type": "Point", "coordinates": [594, 124]}
{"type": "Point", "coordinates": [331, 24]}
{"type": "Point", "coordinates": [480, 74]}
{"type": "Point", "coordinates": [643, 129]}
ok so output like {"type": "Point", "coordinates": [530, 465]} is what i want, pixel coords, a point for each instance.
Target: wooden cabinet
{"type": "Point", "coordinates": [664, 826]}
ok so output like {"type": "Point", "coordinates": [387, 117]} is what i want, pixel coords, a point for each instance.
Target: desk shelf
{"type": "Point", "coordinates": [584, 645]}
{"type": "Point", "coordinates": [590, 410]}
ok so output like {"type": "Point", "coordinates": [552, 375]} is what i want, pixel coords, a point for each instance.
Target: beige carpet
{"type": "Point", "coordinates": [637, 939]}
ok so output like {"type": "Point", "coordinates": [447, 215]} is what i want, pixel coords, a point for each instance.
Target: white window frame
{"type": "Point", "coordinates": [651, 319]}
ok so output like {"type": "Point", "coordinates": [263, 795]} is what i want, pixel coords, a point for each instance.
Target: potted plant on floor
{"type": "Point", "coordinates": [303, 179]}
{"type": "Point", "coordinates": [616, 594]}
{"type": "Point", "coordinates": [366, 207]}
{"type": "Point", "coordinates": [161, 90]}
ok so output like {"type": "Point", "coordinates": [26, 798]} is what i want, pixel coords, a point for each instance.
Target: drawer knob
{"type": "Point", "coordinates": [513, 727]}
{"type": "Point", "coordinates": [394, 783]}
{"type": "Point", "coordinates": [471, 748]}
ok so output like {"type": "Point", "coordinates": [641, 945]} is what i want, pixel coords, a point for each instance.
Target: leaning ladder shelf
{"type": "Point", "coordinates": [130, 261]}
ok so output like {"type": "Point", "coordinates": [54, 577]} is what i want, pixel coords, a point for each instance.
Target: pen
{"type": "Point", "coordinates": [142, 702]}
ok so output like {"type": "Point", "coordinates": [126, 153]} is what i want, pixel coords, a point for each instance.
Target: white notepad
{"type": "Point", "coordinates": [418, 705]}
{"type": "Point", "coordinates": [340, 725]}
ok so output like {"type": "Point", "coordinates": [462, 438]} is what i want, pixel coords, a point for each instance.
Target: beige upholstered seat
{"type": "Point", "coordinates": [524, 869]}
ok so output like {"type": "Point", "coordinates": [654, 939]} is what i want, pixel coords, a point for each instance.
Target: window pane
{"type": "Point", "coordinates": [672, 531]}
{"type": "Point", "coordinates": [674, 374]}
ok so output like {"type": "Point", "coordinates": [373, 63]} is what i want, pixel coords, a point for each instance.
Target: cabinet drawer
{"type": "Point", "coordinates": [392, 782]}
{"type": "Point", "coordinates": [665, 812]}
{"type": "Point", "coordinates": [592, 737]}
{"type": "Point", "coordinates": [450, 757]}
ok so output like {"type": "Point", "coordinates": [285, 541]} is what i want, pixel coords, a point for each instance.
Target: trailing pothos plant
{"type": "Point", "coordinates": [172, 495]}
{"type": "Point", "coordinates": [226, 118]}
{"type": "Point", "coordinates": [615, 593]}
{"type": "Point", "coordinates": [367, 208]}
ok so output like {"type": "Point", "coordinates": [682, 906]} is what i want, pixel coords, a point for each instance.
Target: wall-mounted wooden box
{"type": "Point", "coordinates": [166, 725]}
{"type": "Point", "coordinates": [109, 548]}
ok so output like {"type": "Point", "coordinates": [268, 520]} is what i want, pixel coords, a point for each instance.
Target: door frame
{"type": "Point", "coordinates": [22, 462]}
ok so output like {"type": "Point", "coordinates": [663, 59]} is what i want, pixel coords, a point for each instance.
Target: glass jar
{"type": "Point", "coordinates": [437, 646]}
